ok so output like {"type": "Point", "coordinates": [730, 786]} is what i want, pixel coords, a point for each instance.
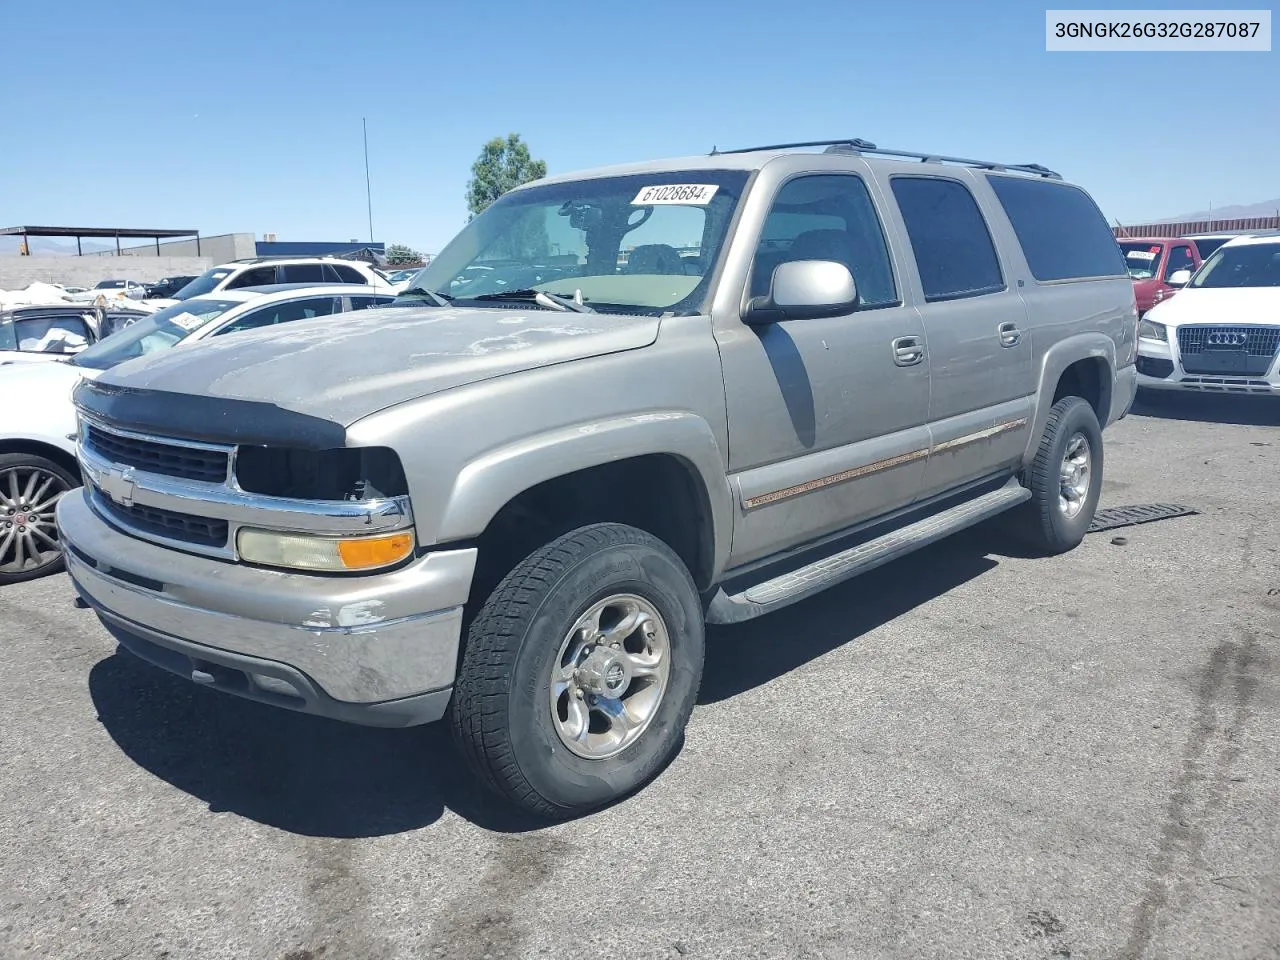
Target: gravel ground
{"type": "Point", "coordinates": [964, 754]}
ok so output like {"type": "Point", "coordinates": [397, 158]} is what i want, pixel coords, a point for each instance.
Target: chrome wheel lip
{"type": "Point", "coordinates": [1075, 475]}
{"type": "Point", "coordinates": [28, 531]}
{"type": "Point", "coordinates": [619, 645]}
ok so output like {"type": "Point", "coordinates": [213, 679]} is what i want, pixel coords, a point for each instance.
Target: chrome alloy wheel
{"type": "Point", "coordinates": [28, 534]}
{"type": "Point", "coordinates": [610, 676]}
{"type": "Point", "coordinates": [1076, 473]}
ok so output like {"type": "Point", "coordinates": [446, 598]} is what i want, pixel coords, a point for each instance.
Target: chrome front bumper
{"type": "Point", "coordinates": [352, 645]}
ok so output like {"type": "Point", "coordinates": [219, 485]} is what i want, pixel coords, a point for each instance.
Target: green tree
{"type": "Point", "coordinates": [502, 165]}
{"type": "Point", "coordinates": [398, 253]}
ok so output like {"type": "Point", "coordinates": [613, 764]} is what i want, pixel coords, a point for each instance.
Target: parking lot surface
{"type": "Point", "coordinates": [966, 753]}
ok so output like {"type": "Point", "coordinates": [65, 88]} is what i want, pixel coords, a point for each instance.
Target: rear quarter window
{"type": "Point", "coordinates": [1061, 230]}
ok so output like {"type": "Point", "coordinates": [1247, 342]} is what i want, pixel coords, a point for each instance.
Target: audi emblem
{"type": "Point", "coordinates": [1226, 338]}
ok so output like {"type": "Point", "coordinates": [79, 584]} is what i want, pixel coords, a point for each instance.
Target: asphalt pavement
{"type": "Point", "coordinates": [967, 753]}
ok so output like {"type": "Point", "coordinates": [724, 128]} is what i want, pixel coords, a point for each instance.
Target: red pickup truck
{"type": "Point", "coordinates": [1152, 261]}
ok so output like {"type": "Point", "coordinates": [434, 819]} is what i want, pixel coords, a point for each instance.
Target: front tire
{"type": "Point", "coordinates": [1065, 479]}
{"type": "Point", "coordinates": [30, 487]}
{"type": "Point", "coordinates": [580, 671]}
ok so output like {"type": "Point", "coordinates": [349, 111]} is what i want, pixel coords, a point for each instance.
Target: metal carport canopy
{"type": "Point", "coordinates": [117, 232]}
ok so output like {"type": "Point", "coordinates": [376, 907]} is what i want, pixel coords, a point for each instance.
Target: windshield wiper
{"type": "Point", "coordinates": [439, 299]}
{"type": "Point", "coordinates": [554, 301]}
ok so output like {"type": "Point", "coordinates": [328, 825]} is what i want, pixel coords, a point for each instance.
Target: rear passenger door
{"type": "Point", "coordinates": [980, 374]}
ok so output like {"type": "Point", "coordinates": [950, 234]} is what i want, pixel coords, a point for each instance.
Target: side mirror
{"type": "Point", "coordinates": [804, 290]}
{"type": "Point", "coordinates": [1179, 278]}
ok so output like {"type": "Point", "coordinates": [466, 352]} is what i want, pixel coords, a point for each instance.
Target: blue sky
{"type": "Point", "coordinates": [246, 117]}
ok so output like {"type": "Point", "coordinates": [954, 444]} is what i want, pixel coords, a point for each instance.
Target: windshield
{"type": "Point", "coordinates": [642, 244]}
{"type": "Point", "coordinates": [110, 284]}
{"type": "Point", "coordinates": [159, 331]}
{"type": "Point", "coordinates": [1250, 265]}
{"type": "Point", "coordinates": [202, 284]}
{"type": "Point", "coordinates": [1142, 259]}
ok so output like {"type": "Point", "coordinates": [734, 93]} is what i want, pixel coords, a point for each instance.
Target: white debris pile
{"type": "Point", "coordinates": [35, 294]}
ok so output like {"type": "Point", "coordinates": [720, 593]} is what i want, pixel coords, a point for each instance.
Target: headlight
{"type": "Point", "coordinates": [1150, 330]}
{"type": "Point", "coordinates": [300, 551]}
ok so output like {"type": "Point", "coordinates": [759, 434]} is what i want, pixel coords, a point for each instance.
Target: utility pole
{"type": "Point", "coordinates": [368, 194]}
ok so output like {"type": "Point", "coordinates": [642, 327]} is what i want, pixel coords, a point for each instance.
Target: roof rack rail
{"type": "Point", "coordinates": [858, 146]}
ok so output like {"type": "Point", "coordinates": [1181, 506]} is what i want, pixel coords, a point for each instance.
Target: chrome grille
{"type": "Point", "coordinates": [1240, 350]}
{"type": "Point", "coordinates": [169, 460]}
{"type": "Point", "coordinates": [167, 523]}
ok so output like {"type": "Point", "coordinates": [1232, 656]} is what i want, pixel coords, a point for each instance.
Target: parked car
{"type": "Point", "coordinates": [38, 422]}
{"type": "Point", "coordinates": [166, 287]}
{"type": "Point", "coordinates": [265, 271]}
{"type": "Point", "coordinates": [1222, 332]}
{"type": "Point", "coordinates": [516, 503]}
{"type": "Point", "coordinates": [1151, 261]}
{"type": "Point", "coordinates": [110, 290]}
{"type": "Point", "coordinates": [32, 334]}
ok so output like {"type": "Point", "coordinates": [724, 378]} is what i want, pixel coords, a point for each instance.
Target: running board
{"type": "Point", "coordinates": [796, 585]}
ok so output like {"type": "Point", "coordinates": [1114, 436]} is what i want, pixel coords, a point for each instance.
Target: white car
{"type": "Point", "coordinates": [263, 271]}
{"type": "Point", "coordinates": [38, 421]}
{"type": "Point", "coordinates": [32, 334]}
{"type": "Point", "coordinates": [1221, 333]}
{"type": "Point", "coordinates": [111, 290]}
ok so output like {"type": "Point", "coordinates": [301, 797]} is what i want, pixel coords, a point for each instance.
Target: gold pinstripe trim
{"type": "Point", "coordinates": [879, 466]}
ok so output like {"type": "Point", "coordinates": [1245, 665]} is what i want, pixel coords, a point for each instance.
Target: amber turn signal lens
{"type": "Point", "coordinates": [375, 551]}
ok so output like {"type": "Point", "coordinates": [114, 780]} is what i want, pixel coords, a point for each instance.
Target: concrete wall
{"type": "Point", "coordinates": [17, 272]}
{"type": "Point", "coordinates": [220, 248]}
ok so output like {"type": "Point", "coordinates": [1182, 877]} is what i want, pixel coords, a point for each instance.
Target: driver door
{"type": "Point", "coordinates": [828, 418]}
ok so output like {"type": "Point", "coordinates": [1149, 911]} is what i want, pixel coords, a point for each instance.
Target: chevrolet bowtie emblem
{"type": "Point", "coordinates": [118, 484]}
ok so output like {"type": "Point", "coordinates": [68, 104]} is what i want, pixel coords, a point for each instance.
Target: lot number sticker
{"type": "Point", "coordinates": [694, 194]}
{"type": "Point", "coordinates": [1142, 254]}
{"type": "Point", "coordinates": [187, 321]}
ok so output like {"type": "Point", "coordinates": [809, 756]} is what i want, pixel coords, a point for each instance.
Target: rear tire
{"type": "Point", "coordinates": [607, 611]}
{"type": "Point", "coordinates": [29, 490]}
{"type": "Point", "coordinates": [1065, 480]}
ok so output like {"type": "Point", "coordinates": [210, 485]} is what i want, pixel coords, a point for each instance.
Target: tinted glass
{"type": "Point", "coordinates": [1179, 259]}
{"type": "Point", "coordinates": [257, 277]}
{"type": "Point", "coordinates": [159, 331]}
{"type": "Point", "coordinates": [1207, 247]}
{"type": "Point", "coordinates": [282, 313]}
{"type": "Point", "coordinates": [364, 303]}
{"type": "Point", "coordinates": [1248, 265]}
{"type": "Point", "coordinates": [828, 217]}
{"type": "Point", "coordinates": [1141, 258]}
{"type": "Point", "coordinates": [8, 341]}
{"type": "Point", "coordinates": [952, 245]}
{"type": "Point", "coordinates": [348, 274]}
{"type": "Point", "coordinates": [304, 273]}
{"type": "Point", "coordinates": [1062, 232]}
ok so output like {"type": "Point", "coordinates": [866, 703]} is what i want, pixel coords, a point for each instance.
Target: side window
{"type": "Point", "coordinates": [8, 341]}
{"type": "Point", "coordinates": [304, 273]}
{"type": "Point", "coordinates": [1179, 259]}
{"type": "Point", "coordinates": [827, 217]}
{"type": "Point", "coordinates": [952, 245]}
{"type": "Point", "coordinates": [52, 335]}
{"type": "Point", "coordinates": [283, 313]}
{"type": "Point", "coordinates": [257, 277]}
{"type": "Point", "coordinates": [344, 274]}
{"type": "Point", "coordinates": [364, 303]}
{"type": "Point", "coordinates": [1061, 230]}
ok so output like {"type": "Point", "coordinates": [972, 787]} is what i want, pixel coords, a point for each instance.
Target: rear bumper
{"type": "Point", "coordinates": [379, 650]}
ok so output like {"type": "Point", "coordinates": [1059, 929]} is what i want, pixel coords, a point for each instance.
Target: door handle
{"type": "Point", "coordinates": [907, 351]}
{"type": "Point", "coordinates": [1010, 335]}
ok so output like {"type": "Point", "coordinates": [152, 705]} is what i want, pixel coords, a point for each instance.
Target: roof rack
{"type": "Point", "coordinates": [857, 146]}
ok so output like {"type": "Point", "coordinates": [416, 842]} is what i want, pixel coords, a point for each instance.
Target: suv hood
{"type": "Point", "coordinates": [346, 366]}
{"type": "Point", "coordinates": [1225, 305]}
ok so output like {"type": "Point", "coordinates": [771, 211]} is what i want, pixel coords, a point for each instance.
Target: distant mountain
{"type": "Point", "coordinates": [1268, 208]}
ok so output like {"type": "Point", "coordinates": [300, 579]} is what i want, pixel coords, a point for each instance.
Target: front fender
{"type": "Point", "coordinates": [485, 484]}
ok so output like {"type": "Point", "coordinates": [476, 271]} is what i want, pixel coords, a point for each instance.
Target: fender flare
{"type": "Point", "coordinates": [489, 481]}
{"type": "Point", "coordinates": [1084, 346]}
